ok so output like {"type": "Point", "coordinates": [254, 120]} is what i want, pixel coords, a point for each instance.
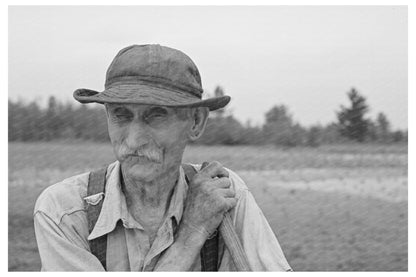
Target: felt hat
{"type": "Point", "coordinates": [153, 75]}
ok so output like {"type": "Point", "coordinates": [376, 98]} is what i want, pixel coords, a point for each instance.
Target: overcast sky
{"type": "Point", "coordinates": [304, 57]}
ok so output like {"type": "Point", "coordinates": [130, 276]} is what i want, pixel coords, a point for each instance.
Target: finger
{"type": "Point", "coordinates": [230, 203]}
{"type": "Point", "coordinates": [223, 182]}
{"type": "Point", "coordinates": [204, 164]}
{"type": "Point", "coordinates": [215, 169]}
{"type": "Point", "coordinates": [227, 193]}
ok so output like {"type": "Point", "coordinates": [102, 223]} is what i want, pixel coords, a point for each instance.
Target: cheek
{"type": "Point", "coordinates": [174, 144]}
{"type": "Point", "coordinates": [117, 139]}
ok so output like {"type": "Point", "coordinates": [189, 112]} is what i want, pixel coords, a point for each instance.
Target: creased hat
{"type": "Point", "coordinates": [154, 75]}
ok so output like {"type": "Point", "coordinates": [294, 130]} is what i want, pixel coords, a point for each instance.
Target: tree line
{"type": "Point", "coordinates": [64, 121]}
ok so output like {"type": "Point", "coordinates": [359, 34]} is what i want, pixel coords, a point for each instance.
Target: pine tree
{"type": "Point", "coordinates": [279, 127]}
{"type": "Point", "coordinates": [351, 120]}
{"type": "Point", "coordinates": [383, 128]}
{"type": "Point", "coordinates": [218, 92]}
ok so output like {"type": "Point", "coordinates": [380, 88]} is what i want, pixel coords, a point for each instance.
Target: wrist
{"type": "Point", "coordinates": [195, 228]}
{"type": "Point", "coordinates": [190, 235]}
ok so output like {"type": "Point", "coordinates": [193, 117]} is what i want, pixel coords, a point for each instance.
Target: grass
{"type": "Point", "coordinates": [333, 208]}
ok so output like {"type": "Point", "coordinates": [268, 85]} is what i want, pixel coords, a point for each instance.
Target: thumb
{"type": "Point", "coordinates": [204, 164]}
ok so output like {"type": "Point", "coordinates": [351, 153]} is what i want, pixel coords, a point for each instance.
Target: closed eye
{"type": "Point", "coordinates": [122, 113]}
{"type": "Point", "coordinates": [156, 112]}
{"type": "Point", "coordinates": [121, 116]}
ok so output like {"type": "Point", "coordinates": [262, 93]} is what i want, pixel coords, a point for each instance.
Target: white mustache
{"type": "Point", "coordinates": [150, 153]}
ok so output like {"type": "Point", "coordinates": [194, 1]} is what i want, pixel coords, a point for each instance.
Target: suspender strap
{"type": "Point", "coordinates": [96, 184]}
{"type": "Point", "coordinates": [209, 252]}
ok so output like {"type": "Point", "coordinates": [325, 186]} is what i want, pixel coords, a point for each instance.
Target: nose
{"type": "Point", "coordinates": [137, 135]}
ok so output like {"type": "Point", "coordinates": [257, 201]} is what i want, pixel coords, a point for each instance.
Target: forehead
{"type": "Point", "coordinates": [134, 107]}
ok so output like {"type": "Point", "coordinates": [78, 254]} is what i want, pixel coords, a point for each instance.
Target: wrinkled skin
{"type": "Point", "coordinates": [209, 198]}
{"type": "Point", "coordinates": [154, 131]}
{"type": "Point", "coordinates": [149, 142]}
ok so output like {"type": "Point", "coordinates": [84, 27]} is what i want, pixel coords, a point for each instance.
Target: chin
{"type": "Point", "coordinates": [143, 171]}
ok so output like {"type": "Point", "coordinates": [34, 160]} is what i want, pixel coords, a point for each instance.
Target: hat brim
{"type": "Point", "coordinates": [146, 95]}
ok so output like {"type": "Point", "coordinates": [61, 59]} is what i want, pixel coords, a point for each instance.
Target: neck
{"type": "Point", "coordinates": [151, 195]}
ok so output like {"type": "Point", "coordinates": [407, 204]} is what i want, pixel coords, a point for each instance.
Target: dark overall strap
{"type": "Point", "coordinates": [209, 252]}
{"type": "Point", "coordinates": [96, 184]}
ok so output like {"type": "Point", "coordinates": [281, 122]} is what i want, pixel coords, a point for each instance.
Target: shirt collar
{"type": "Point", "coordinates": [115, 208]}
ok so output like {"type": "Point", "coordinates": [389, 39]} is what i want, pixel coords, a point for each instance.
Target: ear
{"type": "Point", "coordinates": [199, 118]}
{"type": "Point", "coordinates": [106, 109]}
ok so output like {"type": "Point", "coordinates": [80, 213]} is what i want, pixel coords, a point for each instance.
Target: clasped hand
{"type": "Point", "coordinates": [209, 197]}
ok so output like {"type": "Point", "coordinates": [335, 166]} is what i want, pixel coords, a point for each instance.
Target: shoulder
{"type": "Point", "coordinates": [237, 184]}
{"type": "Point", "coordinates": [63, 198]}
{"type": "Point", "coordinates": [66, 197]}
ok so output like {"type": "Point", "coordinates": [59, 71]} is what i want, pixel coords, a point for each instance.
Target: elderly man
{"type": "Point", "coordinates": [147, 211]}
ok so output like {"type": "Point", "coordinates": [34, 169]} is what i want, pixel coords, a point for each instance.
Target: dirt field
{"type": "Point", "coordinates": [333, 208]}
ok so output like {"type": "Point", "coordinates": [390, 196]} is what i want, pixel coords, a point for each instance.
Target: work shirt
{"type": "Point", "coordinates": [62, 234]}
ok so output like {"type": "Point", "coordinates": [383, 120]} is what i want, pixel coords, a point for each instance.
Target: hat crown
{"type": "Point", "coordinates": [152, 74]}
{"type": "Point", "coordinates": [154, 64]}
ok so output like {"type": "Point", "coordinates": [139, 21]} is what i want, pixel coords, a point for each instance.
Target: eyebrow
{"type": "Point", "coordinates": [148, 111]}
{"type": "Point", "coordinates": [120, 109]}
{"type": "Point", "coordinates": [157, 109]}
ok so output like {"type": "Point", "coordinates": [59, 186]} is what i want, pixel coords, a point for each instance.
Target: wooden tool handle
{"type": "Point", "coordinates": [233, 244]}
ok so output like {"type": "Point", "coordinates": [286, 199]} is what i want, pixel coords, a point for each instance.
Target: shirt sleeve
{"type": "Point", "coordinates": [62, 249]}
{"type": "Point", "coordinates": [257, 238]}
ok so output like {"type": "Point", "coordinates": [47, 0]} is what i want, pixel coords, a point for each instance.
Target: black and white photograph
{"type": "Point", "coordinates": [266, 138]}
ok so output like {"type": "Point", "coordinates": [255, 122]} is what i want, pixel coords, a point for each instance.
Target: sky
{"type": "Point", "coordinates": [305, 57]}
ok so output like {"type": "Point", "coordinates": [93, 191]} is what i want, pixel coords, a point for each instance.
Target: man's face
{"type": "Point", "coordinates": [147, 140]}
